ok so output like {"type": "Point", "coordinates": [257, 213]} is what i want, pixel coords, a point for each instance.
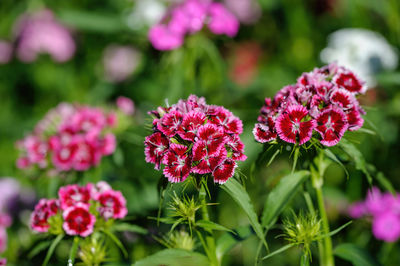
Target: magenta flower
{"type": "Point", "coordinates": [3, 262]}
{"type": "Point", "coordinates": [70, 195]}
{"type": "Point", "coordinates": [112, 204]}
{"type": "Point", "coordinates": [331, 124]}
{"type": "Point", "coordinates": [178, 163]}
{"type": "Point", "coordinates": [222, 21]}
{"type": "Point", "coordinates": [357, 210]}
{"type": "Point", "coordinates": [78, 220]}
{"type": "Point", "coordinates": [386, 227]}
{"type": "Point", "coordinates": [41, 33]}
{"type": "Point", "coordinates": [291, 126]}
{"type": "Point", "coordinates": [318, 101]}
{"type": "Point", "coordinates": [120, 62]}
{"type": "Point", "coordinates": [348, 80]}
{"type": "Point", "coordinates": [126, 105]}
{"type": "Point", "coordinates": [190, 17]}
{"type": "Point", "coordinates": [43, 211]}
{"type": "Point", "coordinates": [69, 138]}
{"type": "Point", "coordinates": [192, 137]}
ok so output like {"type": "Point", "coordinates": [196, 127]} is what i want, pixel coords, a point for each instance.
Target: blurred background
{"type": "Point", "coordinates": [91, 52]}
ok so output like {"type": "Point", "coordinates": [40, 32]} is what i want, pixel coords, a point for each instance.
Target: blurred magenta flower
{"type": "Point", "coordinates": [39, 33]}
{"type": "Point", "coordinates": [9, 190]}
{"type": "Point", "coordinates": [247, 11]}
{"type": "Point", "coordinates": [3, 262]}
{"type": "Point", "coordinates": [126, 105]}
{"type": "Point", "coordinates": [69, 137]}
{"type": "Point", "coordinates": [120, 62]}
{"type": "Point", "coordinates": [189, 17]}
{"type": "Point", "coordinates": [384, 208]}
{"type": "Point", "coordinates": [6, 51]}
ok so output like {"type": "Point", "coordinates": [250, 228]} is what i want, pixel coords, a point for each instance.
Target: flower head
{"type": "Point", "coordinates": [112, 204]}
{"type": "Point", "coordinates": [192, 137]}
{"type": "Point", "coordinates": [43, 211]}
{"type": "Point", "coordinates": [70, 195]}
{"type": "Point", "coordinates": [323, 100]}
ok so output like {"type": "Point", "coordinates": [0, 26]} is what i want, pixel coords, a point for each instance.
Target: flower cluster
{"type": "Point", "coordinates": [5, 221]}
{"type": "Point", "coordinates": [70, 137]}
{"type": "Point", "coordinates": [188, 18]}
{"type": "Point", "coordinates": [79, 208]}
{"type": "Point", "coordinates": [192, 137]}
{"type": "Point", "coordinates": [385, 212]}
{"type": "Point", "coordinates": [323, 100]}
{"type": "Point", "coordinates": [41, 33]}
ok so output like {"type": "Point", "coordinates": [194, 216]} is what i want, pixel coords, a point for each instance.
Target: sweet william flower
{"type": "Point", "coordinates": [126, 105]}
{"type": "Point", "coordinates": [43, 211]}
{"type": "Point", "coordinates": [386, 227]}
{"type": "Point", "coordinates": [112, 204]}
{"type": "Point", "coordinates": [78, 220]}
{"type": "Point", "coordinates": [331, 124]}
{"type": "Point", "coordinates": [70, 195]}
{"type": "Point", "coordinates": [191, 137]}
{"type": "Point", "coordinates": [222, 21]}
{"type": "Point", "coordinates": [291, 126]}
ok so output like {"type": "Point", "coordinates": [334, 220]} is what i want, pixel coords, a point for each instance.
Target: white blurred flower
{"type": "Point", "coordinates": [146, 13]}
{"type": "Point", "coordinates": [363, 51]}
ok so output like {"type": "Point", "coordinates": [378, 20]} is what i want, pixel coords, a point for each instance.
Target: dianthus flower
{"type": "Point", "coordinates": [384, 208]}
{"type": "Point", "coordinates": [322, 104]}
{"type": "Point", "coordinates": [188, 18]}
{"type": "Point", "coordinates": [78, 207]}
{"type": "Point", "coordinates": [192, 137]}
{"type": "Point", "coordinates": [70, 137]}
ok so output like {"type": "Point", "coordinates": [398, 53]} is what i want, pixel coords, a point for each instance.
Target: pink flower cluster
{"type": "Point", "coordinates": [323, 100]}
{"type": "Point", "coordinates": [5, 221]}
{"type": "Point", "coordinates": [192, 137]}
{"type": "Point", "coordinates": [70, 137]}
{"type": "Point", "coordinates": [80, 207]}
{"type": "Point", "coordinates": [188, 18]}
{"type": "Point", "coordinates": [385, 212]}
{"type": "Point", "coordinates": [41, 33]}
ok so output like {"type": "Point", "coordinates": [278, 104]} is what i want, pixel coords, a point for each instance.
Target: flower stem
{"type": "Point", "coordinates": [327, 254]}
{"type": "Point", "coordinates": [210, 242]}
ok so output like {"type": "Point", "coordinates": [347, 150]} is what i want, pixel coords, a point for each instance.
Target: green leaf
{"type": "Point", "coordinates": [52, 248]}
{"type": "Point", "coordinates": [334, 232]}
{"type": "Point", "coordinates": [385, 183]}
{"type": "Point", "coordinates": [92, 21]}
{"type": "Point", "coordinates": [174, 257]}
{"type": "Point", "coordinates": [282, 249]}
{"type": "Point", "coordinates": [117, 242]}
{"type": "Point", "coordinates": [208, 225]}
{"type": "Point", "coordinates": [357, 156]}
{"type": "Point", "coordinates": [281, 195]}
{"type": "Point", "coordinates": [333, 157]}
{"type": "Point", "coordinates": [354, 254]}
{"type": "Point", "coordinates": [228, 240]}
{"type": "Point", "coordinates": [239, 194]}
{"type": "Point", "coordinates": [39, 248]}
{"type": "Point", "coordinates": [125, 227]}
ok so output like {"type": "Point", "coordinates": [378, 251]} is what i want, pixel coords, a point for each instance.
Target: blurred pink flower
{"type": "Point", "coordinates": [247, 11]}
{"type": "Point", "coordinates": [126, 105]}
{"type": "Point", "coordinates": [9, 189]}
{"type": "Point", "coordinates": [41, 33]}
{"type": "Point", "coordinates": [120, 62]}
{"type": "Point", "coordinates": [386, 227]}
{"type": "Point", "coordinates": [357, 210]}
{"type": "Point", "coordinates": [3, 262]}
{"type": "Point", "coordinates": [3, 239]}
{"type": "Point", "coordinates": [6, 51]}
{"type": "Point", "coordinates": [163, 39]}
{"type": "Point", "coordinates": [222, 21]}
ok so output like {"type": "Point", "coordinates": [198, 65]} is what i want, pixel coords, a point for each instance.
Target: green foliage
{"type": "Point", "coordinates": [174, 257]}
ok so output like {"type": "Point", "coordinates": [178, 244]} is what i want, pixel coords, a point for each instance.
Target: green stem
{"type": "Point", "coordinates": [210, 242]}
{"type": "Point", "coordinates": [327, 254]}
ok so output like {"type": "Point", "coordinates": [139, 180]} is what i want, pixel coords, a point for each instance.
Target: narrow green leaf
{"type": "Point", "coordinates": [228, 240]}
{"type": "Point", "coordinates": [39, 248]}
{"type": "Point", "coordinates": [52, 248]}
{"type": "Point", "coordinates": [208, 225]}
{"type": "Point", "coordinates": [240, 196]}
{"type": "Point", "coordinates": [357, 156]}
{"type": "Point", "coordinates": [354, 254]}
{"type": "Point", "coordinates": [385, 183]}
{"type": "Point", "coordinates": [333, 157]}
{"type": "Point", "coordinates": [334, 232]}
{"type": "Point", "coordinates": [282, 249]}
{"type": "Point", "coordinates": [125, 227]}
{"type": "Point", "coordinates": [273, 157]}
{"type": "Point", "coordinates": [117, 242]}
{"type": "Point", "coordinates": [280, 196]}
{"type": "Point", "coordinates": [174, 257]}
